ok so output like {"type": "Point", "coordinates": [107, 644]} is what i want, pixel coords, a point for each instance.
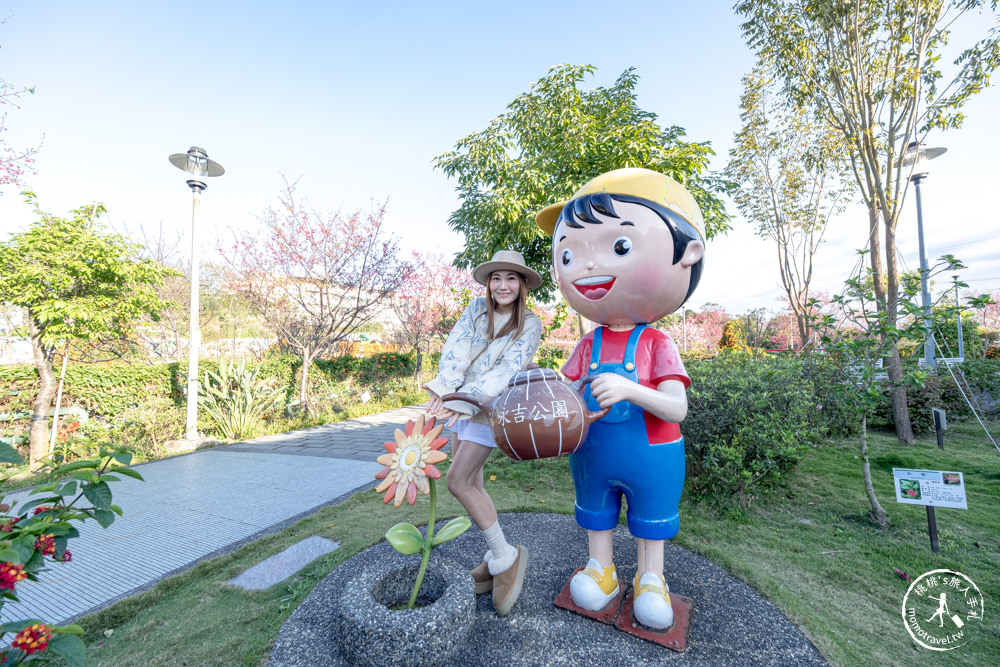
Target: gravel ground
{"type": "Point", "coordinates": [731, 624]}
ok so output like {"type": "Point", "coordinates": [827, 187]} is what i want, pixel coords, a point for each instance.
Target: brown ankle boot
{"type": "Point", "coordinates": [482, 578]}
{"type": "Point", "coordinates": [507, 584]}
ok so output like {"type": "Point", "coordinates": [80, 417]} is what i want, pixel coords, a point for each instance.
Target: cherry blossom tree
{"type": "Point", "coordinates": [702, 331]}
{"type": "Point", "coordinates": [315, 277]}
{"type": "Point", "coordinates": [783, 327]}
{"type": "Point", "coordinates": [429, 302]}
{"type": "Point", "coordinates": [14, 163]}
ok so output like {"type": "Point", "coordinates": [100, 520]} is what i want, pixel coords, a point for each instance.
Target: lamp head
{"type": "Point", "coordinates": [916, 158]}
{"type": "Point", "coordinates": [196, 163]}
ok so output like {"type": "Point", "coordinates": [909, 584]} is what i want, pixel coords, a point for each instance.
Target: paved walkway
{"type": "Point", "coordinates": [203, 504]}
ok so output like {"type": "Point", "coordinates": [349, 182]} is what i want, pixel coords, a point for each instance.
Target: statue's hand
{"type": "Point", "coordinates": [610, 388]}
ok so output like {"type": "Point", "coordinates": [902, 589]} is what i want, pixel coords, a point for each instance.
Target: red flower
{"type": "Point", "coordinates": [42, 508]}
{"type": "Point", "coordinates": [33, 638]}
{"type": "Point", "coordinates": [46, 543]}
{"type": "Point", "coordinates": [11, 574]}
{"type": "Point", "coordinates": [67, 557]}
{"type": "Point", "coordinates": [8, 525]}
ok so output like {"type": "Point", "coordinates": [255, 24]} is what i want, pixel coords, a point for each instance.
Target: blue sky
{"type": "Point", "coordinates": [356, 102]}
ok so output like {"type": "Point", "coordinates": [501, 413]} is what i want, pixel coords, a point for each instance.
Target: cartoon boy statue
{"type": "Point", "coordinates": [627, 251]}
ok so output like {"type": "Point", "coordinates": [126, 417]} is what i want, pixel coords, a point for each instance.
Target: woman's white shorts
{"type": "Point", "coordinates": [474, 432]}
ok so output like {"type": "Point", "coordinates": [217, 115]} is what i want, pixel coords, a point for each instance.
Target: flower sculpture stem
{"type": "Point", "coordinates": [428, 546]}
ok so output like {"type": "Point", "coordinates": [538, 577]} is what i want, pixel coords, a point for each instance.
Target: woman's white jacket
{"type": "Point", "coordinates": [471, 363]}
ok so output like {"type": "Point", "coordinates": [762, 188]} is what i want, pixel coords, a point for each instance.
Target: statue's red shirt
{"type": "Point", "coordinates": [656, 360]}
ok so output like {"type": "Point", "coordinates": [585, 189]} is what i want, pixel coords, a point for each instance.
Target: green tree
{"type": "Point", "coordinates": [549, 142]}
{"type": "Point", "coordinates": [857, 335]}
{"type": "Point", "coordinates": [76, 282]}
{"type": "Point", "coordinates": [871, 70]}
{"type": "Point", "coordinates": [791, 170]}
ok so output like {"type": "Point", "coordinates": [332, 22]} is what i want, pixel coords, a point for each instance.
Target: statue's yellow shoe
{"type": "Point", "coordinates": [594, 587]}
{"type": "Point", "coordinates": [651, 604]}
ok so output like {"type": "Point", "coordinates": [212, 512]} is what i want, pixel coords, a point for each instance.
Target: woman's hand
{"type": "Point", "coordinates": [436, 407]}
{"type": "Point", "coordinates": [435, 404]}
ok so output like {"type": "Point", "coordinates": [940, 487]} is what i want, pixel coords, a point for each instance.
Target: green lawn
{"type": "Point", "coordinates": [809, 547]}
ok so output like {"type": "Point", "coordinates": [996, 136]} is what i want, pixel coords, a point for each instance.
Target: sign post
{"type": "Point", "coordinates": [932, 488]}
{"type": "Point", "coordinates": [940, 426]}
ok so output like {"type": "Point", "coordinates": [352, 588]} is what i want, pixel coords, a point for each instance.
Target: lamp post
{"type": "Point", "coordinates": [196, 163]}
{"type": "Point", "coordinates": [917, 158]}
{"type": "Point", "coordinates": [684, 328]}
{"type": "Point", "coordinates": [958, 305]}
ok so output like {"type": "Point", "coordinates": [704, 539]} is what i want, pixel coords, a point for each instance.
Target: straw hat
{"type": "Point", "coordinates": [643, 183]}
{"type": "Point", "coordinates": [506, 260]}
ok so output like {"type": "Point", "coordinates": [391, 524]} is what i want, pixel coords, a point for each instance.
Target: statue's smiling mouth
{"type": "Point", "coordinates": [594, 287]}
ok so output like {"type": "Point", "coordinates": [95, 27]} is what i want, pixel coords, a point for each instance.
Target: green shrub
{"type": "Point", "coordinates": [938, 391]}
{"type": "Point", "coordinates": [749, 420]}
{"type": "Point", "coordinates": [143, 429]}
{"type": "Point", "coordinates": [133, 402]}
{"type": "Point", "coordinates": [104, 390]}
{"type": "Point", "coordinates": [834, 415]}
{"type": "Point", "coordinates": [236, 399]}
{"type": "Point", "coordinates": [983, 376]}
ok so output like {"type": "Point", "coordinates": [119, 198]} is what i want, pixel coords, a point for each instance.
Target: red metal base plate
{"type": "Point", "coordinates": [619, 614]}
{"type": "Point", "coordinates": [674, 638]}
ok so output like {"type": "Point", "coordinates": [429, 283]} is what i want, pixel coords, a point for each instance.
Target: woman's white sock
{"type": "Point", "coordinates": [503, 554]}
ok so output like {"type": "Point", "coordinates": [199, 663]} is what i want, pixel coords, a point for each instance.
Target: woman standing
{"type": "Point", "coordinates": [494, 338]}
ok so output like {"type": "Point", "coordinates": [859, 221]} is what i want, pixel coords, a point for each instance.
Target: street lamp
{"type": "Point", "coordinates": [958, 305]}
{"type": "Point", "coordinates": [917, 158]}
{"type": "Point", "coordinates": [684, 328]}
{"type": "Point", "coordinates": [196, 163]}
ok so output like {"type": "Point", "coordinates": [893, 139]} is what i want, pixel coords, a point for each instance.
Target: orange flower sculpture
{"type": "Point", "coordinates": [410, 461]}
{"type": "Point", "coordinates": [409, 467]}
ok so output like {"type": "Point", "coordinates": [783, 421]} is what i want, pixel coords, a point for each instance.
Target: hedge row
{"type": "Point", "coordinates": [111, 389]}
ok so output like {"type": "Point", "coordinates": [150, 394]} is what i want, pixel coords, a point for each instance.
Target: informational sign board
{"type": "Point", "coordinates": [934, 488]}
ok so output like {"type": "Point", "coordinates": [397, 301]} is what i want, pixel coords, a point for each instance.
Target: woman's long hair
{"type": "Point", "coordinates": [519, 312]}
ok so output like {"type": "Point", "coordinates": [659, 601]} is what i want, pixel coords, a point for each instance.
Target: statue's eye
{"type": "Point", "coordinates": [567, 256]}
{"type": "Point", "coordinates": [623, 245]}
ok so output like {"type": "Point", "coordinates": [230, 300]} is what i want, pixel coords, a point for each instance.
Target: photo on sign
{"type": "Point", "coordinates": [951, 478]}
{"type": "Point", "coordinates": [910, 487]}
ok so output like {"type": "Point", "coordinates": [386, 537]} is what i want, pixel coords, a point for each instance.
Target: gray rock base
{"type": "Point", "coordinates": [731, 626]}
{"type": "Point", "coordinates": [370, 633]}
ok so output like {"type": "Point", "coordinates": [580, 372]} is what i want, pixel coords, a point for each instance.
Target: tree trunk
{"type": "Point", "coordinates": [900, 409]}
{"type": "Point", "coordinates": [304, 385]}
{"type": "Point", "coordinates": [38, 436]}
{"type": "Point", "coordinates": [878, 513]}
{"type": "Point", "coordinates": [885, 301]}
